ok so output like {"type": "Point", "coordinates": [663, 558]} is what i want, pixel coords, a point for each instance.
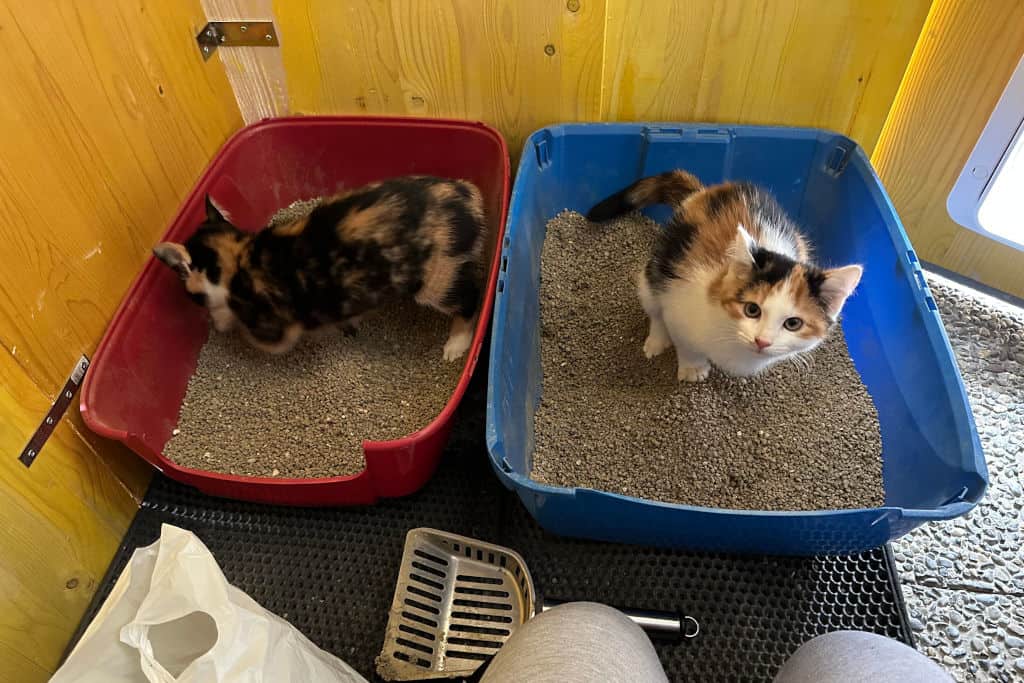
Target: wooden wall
{"type": "Point", "coordinates": [108, 115]}
{"type": "Point", "coordinates": [967, 54]}
{"type": "Point", "coordinates": [523, 64]}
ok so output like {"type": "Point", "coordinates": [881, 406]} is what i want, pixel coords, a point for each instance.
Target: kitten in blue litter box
{"type": "Point", "coordinates": [730, 280]}
{"type": "Point", "coordinates": [414, 237]}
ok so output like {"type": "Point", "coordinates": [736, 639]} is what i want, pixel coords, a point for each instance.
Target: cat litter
{"type": "Point", "coordinates": [305, 414]}
{"type": "Point", "coordinates": [801, 436]}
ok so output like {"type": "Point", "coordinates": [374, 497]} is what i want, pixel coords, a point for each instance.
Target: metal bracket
{"type": "Point", "coordinates": [57, 410]}
{"type": "Point", "coordinates": [235, 34]}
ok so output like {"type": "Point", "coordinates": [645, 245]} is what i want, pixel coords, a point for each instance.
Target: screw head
{"type": "Point", "coordinates": [31, 453]}
{"type": "Point", "coordinates": [49, 420]}
{"type": "Point", "coordinates": [243, 28]}
{"type": "Point", "coordinates": [573, 5]}
{"type": "Point", "coordinates": [206, 48]}
{"type": "Point", "coordinates": [268, 37]}
{"type": "Point", "coordinates": [549, 50]}
{"type": "Point", "coordinates": [68, 394]}
{"type": "Point", "coordinates": [223, 39]}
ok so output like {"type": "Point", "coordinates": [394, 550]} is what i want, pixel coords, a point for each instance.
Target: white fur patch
{"type": "Point", "coordinates": [774, 239]}
{"type": "Point", "coordinates": [217, 303]}
{"type": "Point", "coordinates": [460, 338]}
{"type": "Point", "coordinates": [702, 331]}
{"type": "Point", "coordinates": [457, 345]}
{"type": "Point", "coordinates": [747, 239]}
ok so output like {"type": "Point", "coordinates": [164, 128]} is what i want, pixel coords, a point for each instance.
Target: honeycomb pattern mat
{"type": "Point", "coordinates": [331, 572]}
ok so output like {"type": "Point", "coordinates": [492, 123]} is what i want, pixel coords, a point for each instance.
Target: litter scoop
{"type": "Point", "coordinates": [459, 599]}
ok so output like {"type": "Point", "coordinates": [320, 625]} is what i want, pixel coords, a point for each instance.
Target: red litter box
{"type": "Point", "coordinates": [140, 371]}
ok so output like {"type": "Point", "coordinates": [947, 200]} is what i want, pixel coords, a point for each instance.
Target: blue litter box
{"type": "Point", "coordinates": [933, 466]}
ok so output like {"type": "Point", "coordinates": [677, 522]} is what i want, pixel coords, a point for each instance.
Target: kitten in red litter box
{"type": "Point", "coordinates": [730, 280]}
{"type": "Point", "coordinates": [415, 237]}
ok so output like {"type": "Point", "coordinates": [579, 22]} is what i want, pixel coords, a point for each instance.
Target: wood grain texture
{"type": "Point", "coordinates": [18, 667]}
{"type": "Point", "coordinates": [966, 55]}
{"type": "Point", "coordinates": [794, 62]}
{"type": "Point", "coordinates": [109, 114]}
{"type": "Point", "coordinates": [834, 64]}
{"type": "Point", "coordinates": [469, 59]}
{"type": "Point", "coordinates": [256, 74]}
{"type": "Point", "coordinates": [61, 522]}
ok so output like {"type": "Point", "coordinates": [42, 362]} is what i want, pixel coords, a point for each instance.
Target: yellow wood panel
{"type": "Point", "coordinates": [66, 461]}
{"type": "Point", "coordinates": [834, 64]}
{"type": "Point", "coordinates": [108, 115]}
{"type": "Point", "coordinates": [470, 59]}
{"type": "Point", "coordinates": [134, 472]}
{"type": "Point", "coordinates": [61, 522]}
{"type": "Point", "coordinates": [20, 669]}
{"type": "Point", "coordinates": [966, 55]}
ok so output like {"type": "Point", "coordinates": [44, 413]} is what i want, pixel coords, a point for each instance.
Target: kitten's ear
{"type": "Point", "coordinates": [214, 213]}
{"type": "Point", "coordinates": [743, 245]}
{"type": "Point", "coordinates": [838, 285]}
{"type": "Point", "coordinates": [175, 256]}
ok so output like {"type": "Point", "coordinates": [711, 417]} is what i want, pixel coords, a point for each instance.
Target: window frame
{"type": "Point", "coordinates": [1004, 128]}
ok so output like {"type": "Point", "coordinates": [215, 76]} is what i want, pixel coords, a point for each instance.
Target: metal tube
{"type": "Point", "coordinates": [653, 622]}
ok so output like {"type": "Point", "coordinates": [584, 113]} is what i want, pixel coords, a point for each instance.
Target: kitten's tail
{"type": "Point", "coordinates": [669, 188]}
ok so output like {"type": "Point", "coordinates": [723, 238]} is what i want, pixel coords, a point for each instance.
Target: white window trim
{"type": "Point", "coordinates": [1004, 126]}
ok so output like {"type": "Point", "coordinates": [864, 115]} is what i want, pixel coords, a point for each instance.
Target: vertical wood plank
{"type": "Point", "coordinates": [795, 62]}
{"type": "Point", "coordinates": [109, 116]}
{"type": "Point", "coordinates": [61, 522]}
{"type": "Point", "coordinates": [834, 65]}
{"type": "Point", "coordinates": [18, 667]}
{"type": "Point", "coordinates": [962, 64]}
{"type": "Point", "coordinates": [486, 60]}
{"type": "Point", "coordinates": [256, 74]}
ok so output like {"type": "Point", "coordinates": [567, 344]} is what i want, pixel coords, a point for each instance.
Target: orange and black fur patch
{"type": "Point", "coordinates": [414, 237]}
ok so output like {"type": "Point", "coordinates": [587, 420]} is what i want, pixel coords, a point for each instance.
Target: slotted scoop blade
{"type": "Point", "coordinates": [456, 603]}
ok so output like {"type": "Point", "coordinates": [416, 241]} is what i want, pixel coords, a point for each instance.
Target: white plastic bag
{"type": "Point", "coordinates": [172, 617]}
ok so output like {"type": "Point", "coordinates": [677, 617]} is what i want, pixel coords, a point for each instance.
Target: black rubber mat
{"type": "Point", "coordinates": [331, 572]}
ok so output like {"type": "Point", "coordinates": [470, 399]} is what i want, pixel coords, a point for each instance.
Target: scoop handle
{"type": "Point", "coordinates": [656, 623]}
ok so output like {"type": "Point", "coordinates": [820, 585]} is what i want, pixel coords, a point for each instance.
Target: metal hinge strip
{"type": "Point", "coordinates": [56, 412]}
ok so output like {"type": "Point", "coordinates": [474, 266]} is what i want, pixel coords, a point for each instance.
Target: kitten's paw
{"type": "Point", "coordinates": [654, 345]}
{"type": "Point", "coordinates": [456, 346]}
{"type": "Point", "coordinates": [689, 373]}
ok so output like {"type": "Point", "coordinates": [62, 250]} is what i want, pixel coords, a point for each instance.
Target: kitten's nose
{"type": "Point", "coordinates": [762, 344]}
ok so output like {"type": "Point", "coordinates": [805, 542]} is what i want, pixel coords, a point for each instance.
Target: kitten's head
{"type": "Point", "coordinates": [206, 262]}
{"type": "Point", "coordinates": [781, 306]}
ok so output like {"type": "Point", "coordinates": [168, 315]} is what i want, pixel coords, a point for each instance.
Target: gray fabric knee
{"type": "Point", "coordinates": [578, 642]}
{"type": "Point", "coordinates": [858, 657]}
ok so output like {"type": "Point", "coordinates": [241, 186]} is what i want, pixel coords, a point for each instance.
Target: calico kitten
{"type": "Point", "coordinates": [416, 237]}
{"type": "Point", "coordinates": [730, 279]}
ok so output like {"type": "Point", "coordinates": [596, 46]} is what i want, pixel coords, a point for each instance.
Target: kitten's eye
{"type": "Point", "coordinates": [793, 324]}
{"type": "Point", "coordinates": [751, 310]}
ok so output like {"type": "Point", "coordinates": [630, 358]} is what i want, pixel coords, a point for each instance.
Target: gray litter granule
{"type": "Point", "coordinates": [305, 414]}
{"type": "Point", "coordinates": [793, 438]}
{"type": "Point", "coordinates": [300, 208]}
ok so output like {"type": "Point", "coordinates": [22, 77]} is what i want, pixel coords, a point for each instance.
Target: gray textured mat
{"type": "Point", "coordinates": [331, 572]}
{"type": "Point", "coordinates": [964, 579]}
